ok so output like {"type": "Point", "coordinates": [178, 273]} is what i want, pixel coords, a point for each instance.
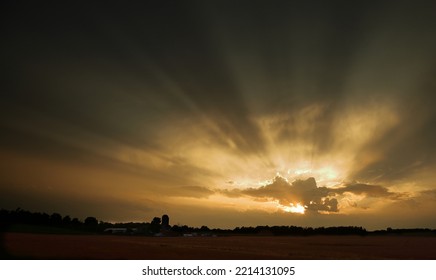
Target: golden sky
{"type": "Point", "coordinates": [242, 114]}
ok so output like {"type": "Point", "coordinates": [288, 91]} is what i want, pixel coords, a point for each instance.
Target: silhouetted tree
{"type": "Point", "coordinates": [55, 219]}
{"type": "Point", "coordinates": [155, 225]}
{"type": "Point", "coordinates": [204, 228]}
{"type": "Point", "coordinates": [91, 223]}
{"type": "Point", "coordinates": [76, 223]}
{"type": "Point", "coordinates": [176, 228]}
{"type": "Point", "coordinates": [66, 221]}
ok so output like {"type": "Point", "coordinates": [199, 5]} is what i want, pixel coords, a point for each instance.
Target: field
{"type": "Point", "coordinates": [52, 246]}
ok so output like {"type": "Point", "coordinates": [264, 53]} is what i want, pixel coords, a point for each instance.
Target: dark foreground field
{"type": "Point", "coordinates": [50, 246]}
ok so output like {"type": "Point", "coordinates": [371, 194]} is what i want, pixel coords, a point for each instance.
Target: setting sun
{"type": "Point", "coordinates": [298, 208]}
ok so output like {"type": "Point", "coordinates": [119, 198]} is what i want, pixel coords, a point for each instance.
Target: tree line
{"type": "Point", "coordinates": [20, 216]}
{"type": "Point", "coordinates": [155, 226]}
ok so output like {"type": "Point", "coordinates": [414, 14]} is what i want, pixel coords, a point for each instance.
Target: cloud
{"type": "Point", "coordinates": [328, 205]}
{"type": "Point", "coordinates": [278, 189]}
{"type": "Point", "coordinates": [365, 189]}
{"type": "Point", "coordinates": [429, 194]}
{"type": "Point", "coordinates": [191, 191]}
{"type": "Point", "coordinates": [304, 192]}
{"type": "Point", "coordinates": [308, 194]}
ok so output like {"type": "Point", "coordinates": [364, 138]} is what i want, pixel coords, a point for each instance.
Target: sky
{"type": "Point", "coordinates": [221, 113]}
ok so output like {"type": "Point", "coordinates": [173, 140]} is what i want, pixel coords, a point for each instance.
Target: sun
{"type": "Point", "coordinates": [297, 208]}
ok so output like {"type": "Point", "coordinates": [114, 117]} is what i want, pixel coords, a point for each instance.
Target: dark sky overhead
{"type": "Point", "coordinates": [223, 113]}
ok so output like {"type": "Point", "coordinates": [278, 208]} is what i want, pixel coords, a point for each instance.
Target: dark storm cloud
{"type": "Point", "coordinates": [109, 71]}
{"type": "Point", "coordinates": [90, 77]}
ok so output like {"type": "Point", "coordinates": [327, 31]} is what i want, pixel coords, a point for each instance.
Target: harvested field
{"type": "Point", "coordinates": [51, 246]}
